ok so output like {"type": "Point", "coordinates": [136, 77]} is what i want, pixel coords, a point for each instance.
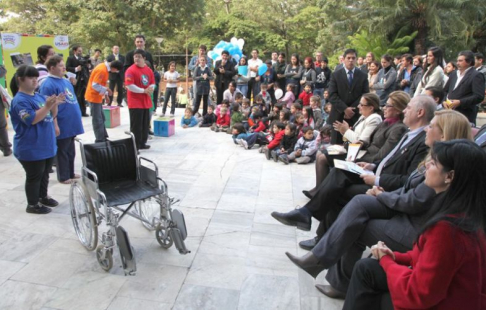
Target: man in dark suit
{"type": "Point", "coordinates": [140, 45]}
{"type": "Point", "coordinates": [78, 65]}
{"type": "Point", "coordinates": [225, 71]}
{"type": "Point", "coordinates": [391, 173]}
{"type": "Point", "coordinates": [346, 87]}
{"type": "Point", "coordinates": [116, 79]}
{"type": "Point", "coordinates": [465, 88]}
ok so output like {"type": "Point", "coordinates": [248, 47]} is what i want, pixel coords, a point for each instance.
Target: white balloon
{"type": "Point", "coordinates": [236, 57]}
{"type": "Point", "coordinates": [218, 50]}
{"type": "Point", "coordinates": [234, 41]}
{"type": "Point", "coordinates": [241, 43]}
{"type": "Point", "coordinates": [278, 93]}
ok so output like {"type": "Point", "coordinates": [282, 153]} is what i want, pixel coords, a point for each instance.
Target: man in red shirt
{"type": "Point", "coordinates": [140, 83]}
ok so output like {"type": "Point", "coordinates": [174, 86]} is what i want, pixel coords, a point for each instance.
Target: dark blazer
{"type": "Point", "coordinates": [129, 60]}
{"type": "Point", "coordinates": [110, 58]}
{"type": "Point", "coordinates": [470, 92]}
{"type": "Point", "coordinates": [480, 132]}
{"type": "Point", "coordinates": [412, 201]}
{"type": "Point", "coordinates": [223, 79]}
{"type": "Point", "coordinates": [397, 169]}
{"type": "Point", "coordinates": [71, 64]}
{"type": "Point", "coordinates": [383, 139]}
{"type": "Point", "coordinates": [342, 96]}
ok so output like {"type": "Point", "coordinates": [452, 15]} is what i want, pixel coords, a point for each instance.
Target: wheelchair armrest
{"type": "Point", "coordinates": [148, 174]}
{"type": "Point", "coordinates": [90, 174]}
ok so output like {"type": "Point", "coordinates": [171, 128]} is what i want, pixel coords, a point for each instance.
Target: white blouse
{"type": "Point", "coordinates": [363, 128]}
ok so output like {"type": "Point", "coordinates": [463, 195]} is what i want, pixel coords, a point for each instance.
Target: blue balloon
{"type": "Point", "coordinates": [262, 69]}
{"type": "Point", "coordinates": [220, 44]}
{"type": "Point", "coordinates": [233, 50]}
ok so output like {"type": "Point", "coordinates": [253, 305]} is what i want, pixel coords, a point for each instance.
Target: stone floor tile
{"type": "Point", "coordinates": [269, 292]}
{"type": "Point", "coordinates": [24, 247]}
{"type": "Point", "coordinates": [124, 303]}
{"type": "Point", "coordinates": [90, 290]}
{"type": "Point", "coordinates": [155, 283]}
{"type": "Point", "coordinates": [16, 295]}
{"type": "Point", "coordinates": [208, 298]}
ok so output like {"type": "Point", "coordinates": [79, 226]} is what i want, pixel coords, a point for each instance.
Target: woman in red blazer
{"type": "Point", "coordinates": [446, 268]}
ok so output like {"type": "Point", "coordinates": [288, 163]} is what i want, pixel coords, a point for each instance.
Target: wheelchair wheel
{"type": "Point", "coordinates": [107, 262]}
{"type": "Point", "coordinates": [163, 237]}
{"type": "Point", "coordinates": [83, 215]}
{"type": "Point", "coordinates": [149, 210]}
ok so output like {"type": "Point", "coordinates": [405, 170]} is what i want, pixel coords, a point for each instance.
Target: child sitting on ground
{"type": "Point", "coordinates": [236, 116]}
{"type": "Point", "coordinates": [225, 103]}
{"type": "Point", "coordinates": [262, 106]}
{"type": "Point", "coordinates": [305, 148]}
{"type": "Point", "coordinates": [294, 109]}
{"type": "Point", "coordinates": [289, 97]}
{"type": "Point", "coordinates": [306, 94]}
{"type": "Point", "coordinates": [308, 117]}
{"type": "Point", "coordinates": [223, 121]}
{"type": "Point", "coordinates": [239, 132]}
{"type": "Point", "coordinates": [279, 132]}
{"type": "Point", "coordinates": [209, 119]}
{"type": "Point", "coordinates": [284, 116]}
{"type": "Point", "coordinates": [299, 123]}
{"type": "Point", "coordinates": [245, 107]}
{"type": "Point", "coordinates": [188, 120]}
{"type": "Point", "coordinates": [327, 111]}
{"type": "Point", "coordinates": [315, 103]}
{"type": "Point", "coordinates": [258, 136]}
{"type": "Point", "coordinates": [265, 95]}
{"type": "Point", "coordinates": [323, 140]}
{"type": "Point", "coordinates": [287, 144]}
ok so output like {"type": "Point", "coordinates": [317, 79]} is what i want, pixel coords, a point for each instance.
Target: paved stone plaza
{"type": "Point", "coordinates": [237, 258]}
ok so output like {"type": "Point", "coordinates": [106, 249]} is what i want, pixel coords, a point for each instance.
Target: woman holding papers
{"type": "Point", "coordinates": [377, 143]}
{"type": "Point", "coordinates": [243, 76]}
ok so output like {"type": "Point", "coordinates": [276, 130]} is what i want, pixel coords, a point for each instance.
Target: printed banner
{"type": "Point", "coordinates": [19, 49]}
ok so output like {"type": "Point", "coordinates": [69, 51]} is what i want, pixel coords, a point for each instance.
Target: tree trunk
{"type": "Point", "coordinates": [420, 41]}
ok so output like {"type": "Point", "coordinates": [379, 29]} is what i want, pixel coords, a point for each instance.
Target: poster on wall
{"type": "Point", "coordinates": [19, 49]}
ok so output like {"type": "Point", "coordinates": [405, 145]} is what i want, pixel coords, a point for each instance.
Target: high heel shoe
{"type": "Point", "coordinates": [309, 263]}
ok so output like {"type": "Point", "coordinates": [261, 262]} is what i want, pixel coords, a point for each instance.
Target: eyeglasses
{"type": "Point", "coordinates": [364, 105]}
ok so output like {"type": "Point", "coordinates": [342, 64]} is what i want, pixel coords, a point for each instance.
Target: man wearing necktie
{"type": "Point", "coordinates": [340, 186]}
{"type": "Point", "coordinates": [116, 79]}
{"type": "Point", "coordinates": [346, 87]}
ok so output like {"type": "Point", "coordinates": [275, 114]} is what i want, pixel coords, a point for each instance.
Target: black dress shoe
{"type": "Point", "coordinates": [309, 263]}
{"type": "Point", "coordinates": [294, 218]}
{"type": "Point", "coordinates": [151, 132]}
{"type": "Point", "coordinates": [330, 291]}
{"type": "Point", "coordinates": [309, 244]}
{"type": "Point", "coordinates": [145, 147]}
{"type": "Point", "coordinates": [307, 194]}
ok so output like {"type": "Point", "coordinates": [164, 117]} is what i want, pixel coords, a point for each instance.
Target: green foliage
{"type": "Point", "coordinates": [365, 42]}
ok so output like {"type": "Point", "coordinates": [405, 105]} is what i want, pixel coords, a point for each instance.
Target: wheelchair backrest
{"type": "Point", "coordinates": [112, 160]}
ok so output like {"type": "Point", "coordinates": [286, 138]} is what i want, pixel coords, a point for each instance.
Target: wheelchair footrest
{"type": "Point", "coordinates": [127, 253]}
{"type": "Point", "coordinates": [180, 223]}
{"type": "Point", "coordinates": [177, 236]}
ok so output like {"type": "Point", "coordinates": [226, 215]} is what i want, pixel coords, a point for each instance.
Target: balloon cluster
{"type": "Point", "coordinates": [234, 47]}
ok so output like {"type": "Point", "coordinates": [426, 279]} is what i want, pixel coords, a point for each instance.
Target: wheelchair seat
{"type": "Point", "coordinates": [127, 191]}
{"type": "Point", "coordinates": [115, 165]}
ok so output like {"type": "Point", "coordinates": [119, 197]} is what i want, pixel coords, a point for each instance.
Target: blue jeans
{"type": "Point", "coordinates": [243, 89]}
{"type": "Point", "coordinates": [98, 119]}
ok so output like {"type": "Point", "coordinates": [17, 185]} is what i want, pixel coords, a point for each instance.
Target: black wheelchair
{"type": "Point", "coordinates": [115, 182]}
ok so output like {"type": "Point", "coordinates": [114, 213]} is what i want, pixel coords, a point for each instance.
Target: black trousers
{"type": "Point", "coordinates": [220, 88]}
{"type": "Point", "coordinates": [4, 143]}
{"type": "Point", "coordinates": [80, 89]}
{"type": "Point", "coordinates": [369, 288]}
{"type": "Point", "coordinates": [65, 159]}
{"type": "Point", "coordinates": [253, 86]}
{"type": "Point", "coordinates": [36, 179]}
{"type": "Point", "coordinates": [335, 192]}
{"type": "Point", "coordinates": [170, 92]}
{"type": "Point", "coordinates": [139, 125]}
{"type": "Point", "coordinates": [118, 83]}
{"type": "Point", "coordinates": [197, 103]}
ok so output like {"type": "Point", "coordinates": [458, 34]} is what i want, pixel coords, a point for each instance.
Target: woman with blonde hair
{"type": "Point", "coordinates": [392, 217]}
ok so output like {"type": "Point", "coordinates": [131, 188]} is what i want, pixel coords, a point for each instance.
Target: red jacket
{"type": "Point", "coordinates": [261, 127]}
{"type": "Point", "coordinates": [305, 97]}
{"type": "Point", "coordinates": [276, 140]}
{"type": "Point", "coordinates": [223, 120]}
{"type": "Point", "coordinates": [448, 272]}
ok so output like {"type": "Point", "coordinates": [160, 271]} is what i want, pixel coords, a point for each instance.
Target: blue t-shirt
{"type": "Point", "coordinates": [69, 114]}
{"type": "Point", "coordinates": [32, 142]}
